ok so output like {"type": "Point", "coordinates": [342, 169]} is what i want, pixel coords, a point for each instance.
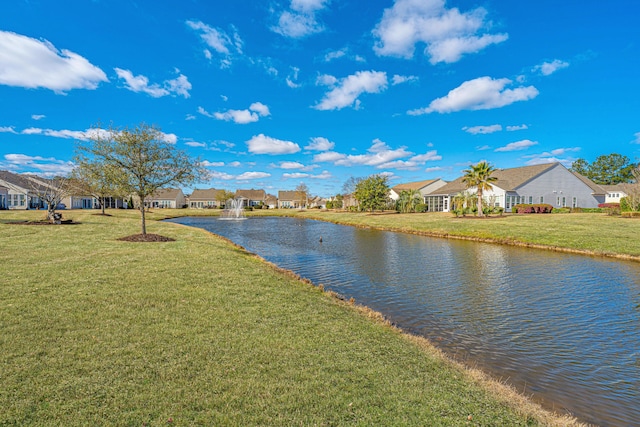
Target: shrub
{"type": "Point", "coordinates": [610, 208]}
{"type": "Point", "coordinates": [626, 205]}
{"type": "Point", "coordinates": [630, 214]}
{"type": "Point", "coordinates": [535, 208]}
{"type": "Point", "coordinates": [421, 207]}
{"type": "Point", "coordinates": [329, 205]}
{"type": "Point", "coordinates": [561, 210]}
{"type": "Point", "coordinates": [609, 205]}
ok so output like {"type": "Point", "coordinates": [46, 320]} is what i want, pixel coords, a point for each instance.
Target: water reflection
{"type": "Point", "coordinates": [564, 327]}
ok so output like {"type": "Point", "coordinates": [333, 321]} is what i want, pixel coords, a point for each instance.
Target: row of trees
{"type": "Point", "coordinates": [607, 169]}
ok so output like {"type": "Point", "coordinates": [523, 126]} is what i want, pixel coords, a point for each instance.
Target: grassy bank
{"type": "Point", "coordinates": [198, 332]}
{"type": "Point", "coordinates": [598, 234]}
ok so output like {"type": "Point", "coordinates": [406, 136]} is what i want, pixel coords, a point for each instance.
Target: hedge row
{"type": "Point", "coordinates": [527, 209]}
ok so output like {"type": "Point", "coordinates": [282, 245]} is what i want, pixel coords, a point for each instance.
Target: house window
{"type": "Point", "coordinates": [574, 202]}
{"type": "Point", "coordinates": [558, 202]}
{"type": "Point", "coordinates": [530, 200]}
{"type": "Point", "coordinates": [541, 199]}
{"type": "Point", "coordinates": [564, 202]}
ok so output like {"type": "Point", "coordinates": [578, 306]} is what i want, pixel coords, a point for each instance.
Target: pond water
{"type": "Point", "coordinates": [562, 328]}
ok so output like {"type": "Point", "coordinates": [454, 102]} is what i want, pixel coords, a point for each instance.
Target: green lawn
{"type": "Point", "coordinates": [97, 331]}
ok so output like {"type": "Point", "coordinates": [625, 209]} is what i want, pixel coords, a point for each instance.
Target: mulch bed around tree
{"type": "Point", "coordinates": [146, 238]}
{"type": "Point", "coordinates": [63, 222]}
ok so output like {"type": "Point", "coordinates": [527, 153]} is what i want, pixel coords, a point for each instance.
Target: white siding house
{"type": "Point", "coordinates": [550, 183]}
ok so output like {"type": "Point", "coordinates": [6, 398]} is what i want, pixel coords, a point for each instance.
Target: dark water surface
{"type": "Point", "coordinates": [563, 328]}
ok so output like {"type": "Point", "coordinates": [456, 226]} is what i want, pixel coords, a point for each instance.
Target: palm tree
{"type": "Point", "coordinates": [479, 176]}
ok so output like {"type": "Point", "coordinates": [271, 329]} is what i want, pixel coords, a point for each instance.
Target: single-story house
{"type": "Point", "coordinates": [166, 198]}
{"type": "Point", "coordinates": [614, 193]}
{"type": "Point", "coordinates": [4, 195]}
{"type": "Point", "coordinates": [291, 199]}
{"type": "Point", "coordinates": [272, 201]}
{"type": "Point", "coordinates": [424, 187]}
{"type": "Point", "coordinates": [204, 198]}
{"type": "Point", "coordinates": [550, 183]}
{"type": "Point", "coordinates": [349, 201]}
{"type": "Point", "coordinates": [251, 197]}
{"type": "Point", "coordinates": [318, 202]}
{"type": "Point", "coordinates": [21, 191]}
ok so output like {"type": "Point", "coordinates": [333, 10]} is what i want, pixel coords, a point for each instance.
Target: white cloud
{"type": "Point", "coordinates": [427, 157]}
{"type": "Point", "coordinates": [483, 147]}
{"type": "Point", "coordinates": [7, 129]}
{"type": "Point", "coordinates": [208, 164]}
{"type": "Point", "coordinates": [221, 175]}
{"type": "Point", "coordinates": [195, 144]}
{"type": "Point", "coordinates": [64, 133]}
{"type": "Point", "coordinates": [335, 55]}
{"type": "Point", "coordinates": [140, 83]}
{"type": "Point", "coordinates": [297, 175]}
{"type": "Point", "coordinates": [548, 68]}
{"type": "Point", "coordinates": [483, 93]}
{"type": "Point", "coordinates": [262, 144]}
{"type": "Point", "coordinates": [637, 140]}
{"type": "Point", "coordinates": [518, 127]}
{"type": "Point", "coordinates": [447, 33]}
{"type": "Point", "coordinates": [398, 79]}
{"type": "Point", "coordinates": [379, 155]}
{"type": "Point", "coordinates": [291, 80]}
{"type": "Point", "coordinates": [517, 146]}
{"type": "Point", "coordinates": [483, 130]}
{"type": "Point", "coordinates": [350, 88]}
{"type": "Point", "coordinates": [291, 165]}
{"type": "Point", "coordinates": [38, 116]}
{"type": "Point", "coordinates": [320, 144]}
{"type": "Point", "coordinates": [300, 21]}
{"type": "Point", "coordinates": [218, 40]}
{"type": "Point", "coordinates": [250, 115]}
{"type": "Point", "coordinates": [328, 156]}
{"type": "Point", "coordinates": [44, 166]}
{"type": "Point", "coordinates": [326, 80]}
{"type": "Point", "coordinates": [252, 175]}
{"type": "Point", "coordinates": [169, 138]}
{"type": "Point", "coordinates": [434, 169]}
{"type": "Point", "coordinates": [31, 63]}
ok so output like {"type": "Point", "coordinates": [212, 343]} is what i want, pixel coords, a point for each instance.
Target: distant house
{"type": "Point", "coordinates": [272, 201]}
{"type": "Point", "coordinates": [614, 192]}
{"type": "Point", "coordinates": [251, 197]}
{"type": "Point", "coordinates": [166, 198]}
{"type": "Point", "coordinates": [550, 183]}
{"type": "Point", "coordinates": [424, 187]}
{"type": "Point", "coordinates": [318, 202]}
{"type": "Point", "coordinates": [20, 193]}
{"type": "Point", "coordinates": [349, 201]}
{"type": "Point", "coordinates": [204, 198]}
{"type": "Point", "coordinates": [291, 199]}
{"type": "Point", "coordinates": [4, 195]}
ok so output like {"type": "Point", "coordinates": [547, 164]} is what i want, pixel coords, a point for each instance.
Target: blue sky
{"type": "Point", "coordinates": [271, 94]}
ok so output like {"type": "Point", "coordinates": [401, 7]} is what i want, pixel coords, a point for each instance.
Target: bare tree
{"type": "Point", "coordinates": [633, 190]}
{"type": "Point", "coordinates": [302, 193]}
{"type": "Point", "coordinates": [145, 162]}
{"type": "Point", "coordinates": [95, 178]}
{"type": "Point", "coordinates": [51, 192]}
